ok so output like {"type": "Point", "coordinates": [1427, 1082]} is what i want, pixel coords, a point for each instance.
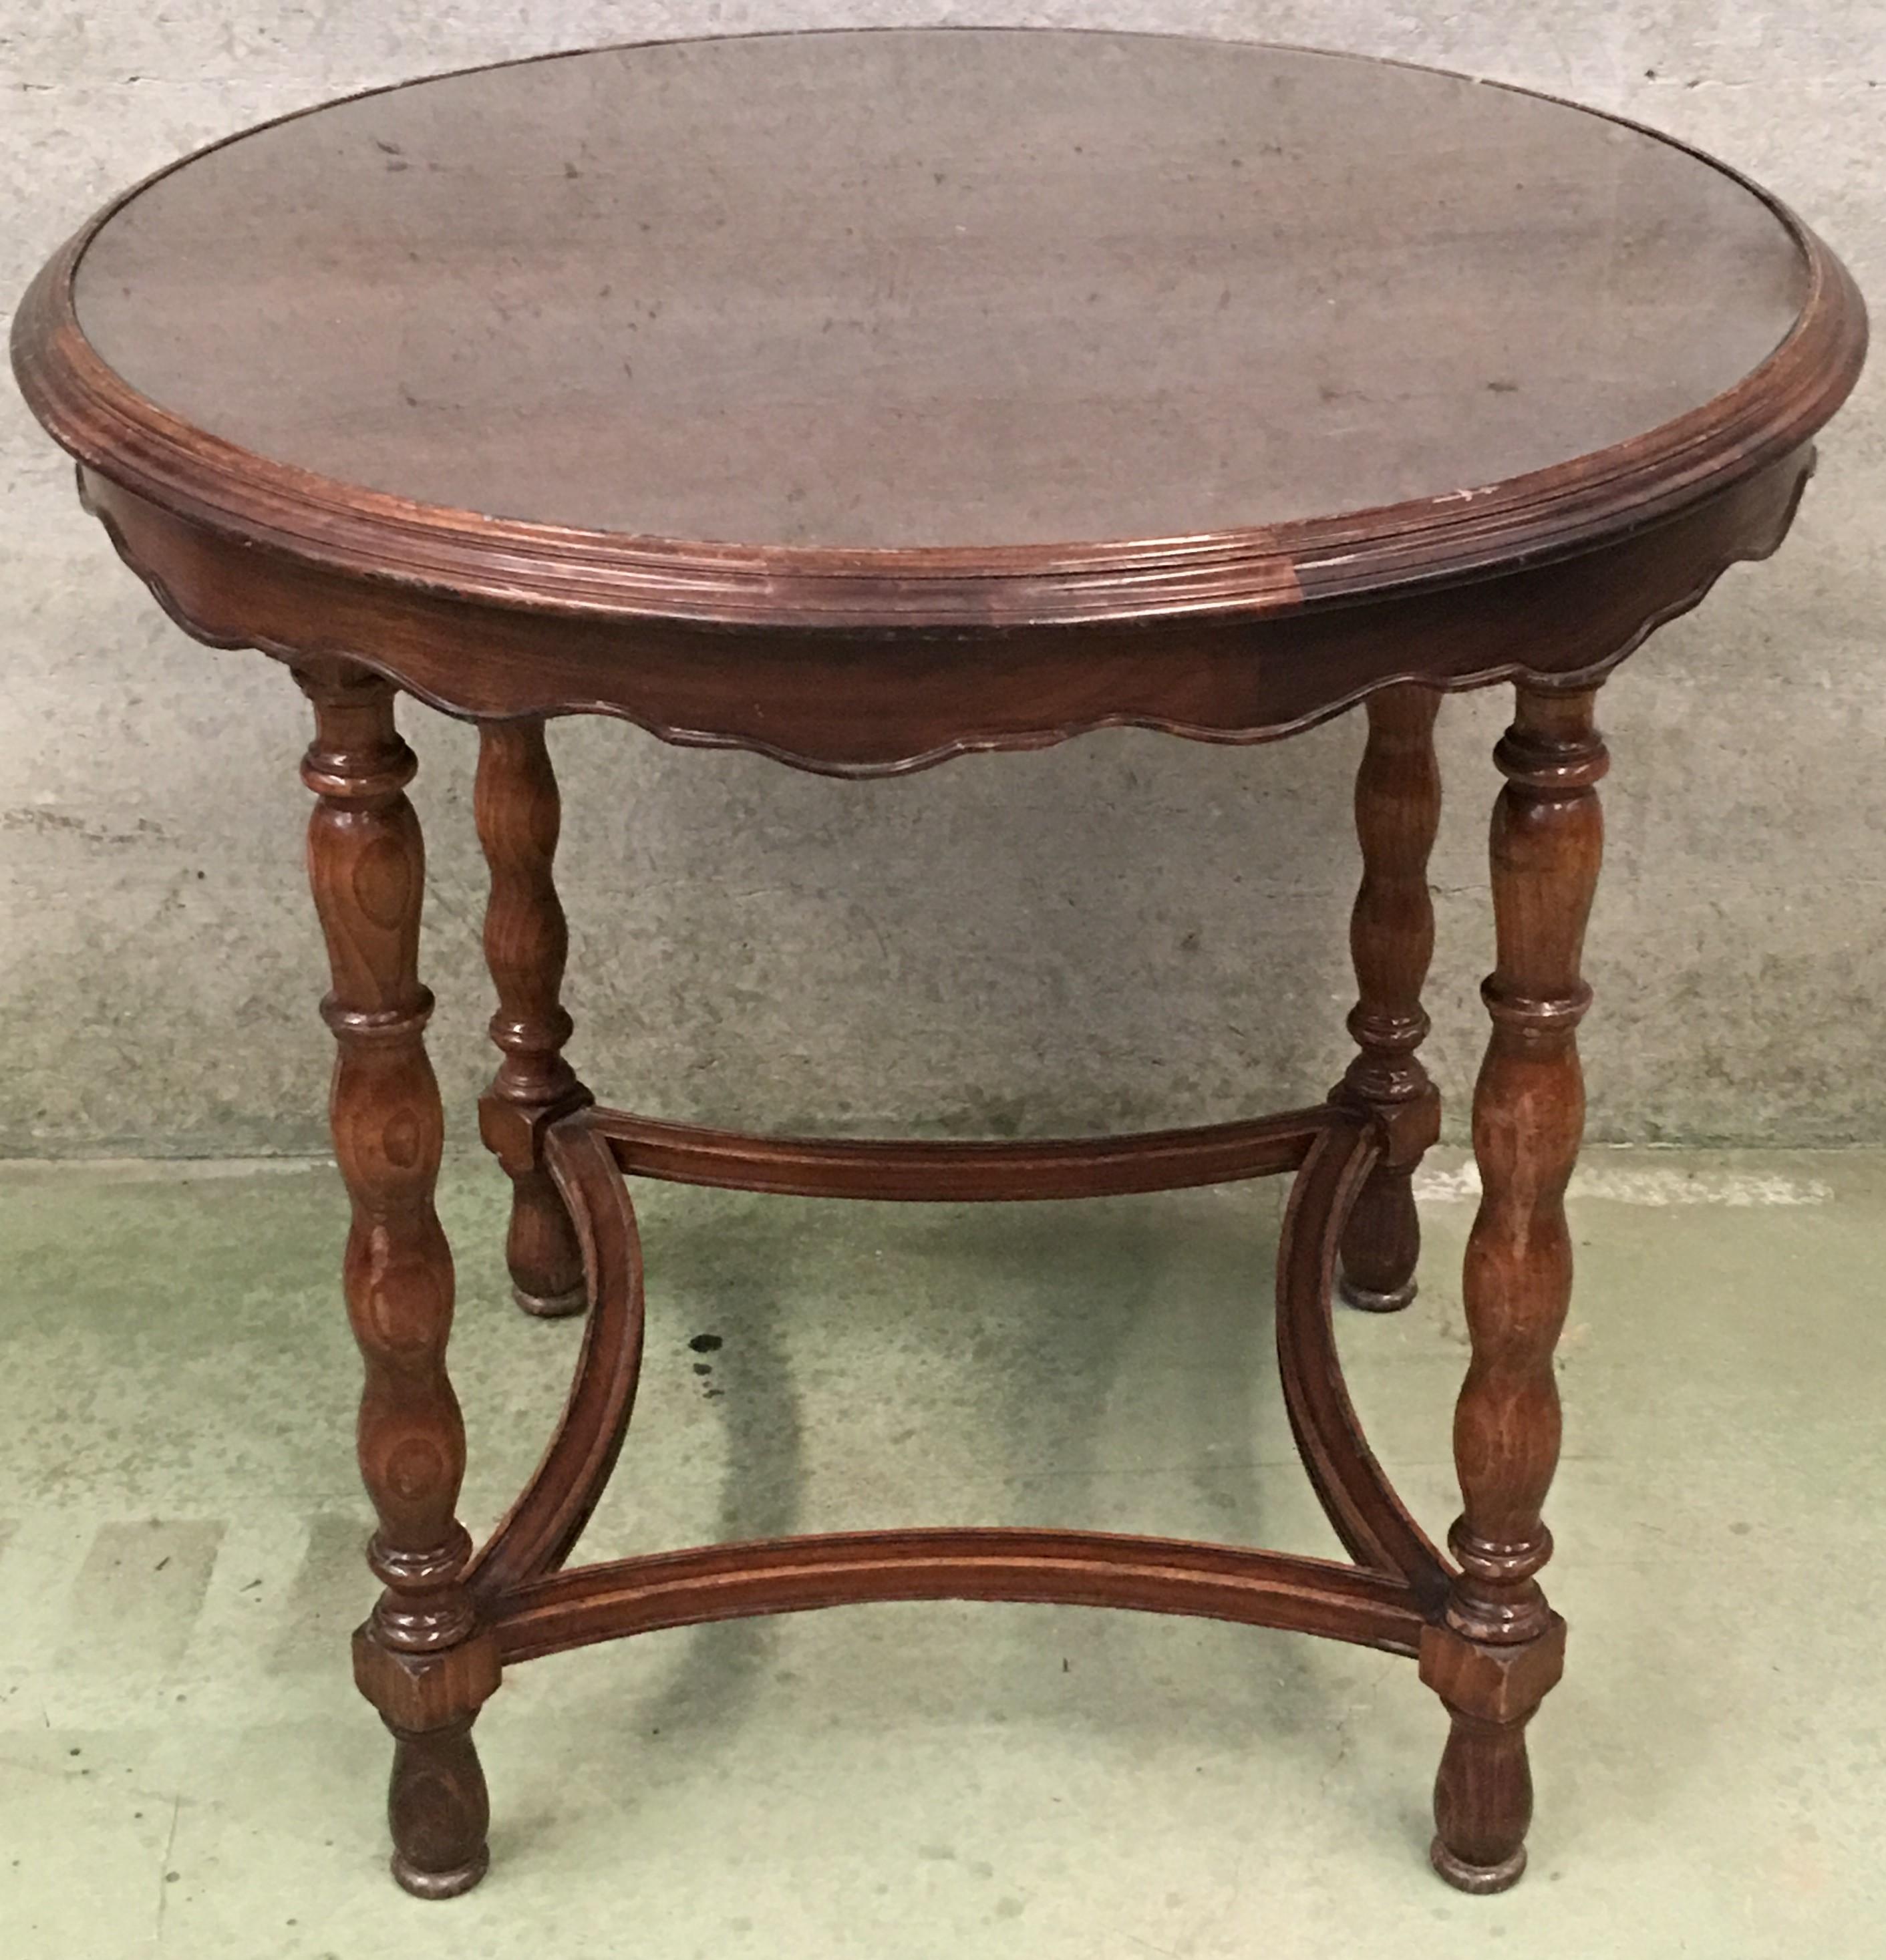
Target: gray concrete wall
{"type": "Point", "coordinates": [1123, 930]}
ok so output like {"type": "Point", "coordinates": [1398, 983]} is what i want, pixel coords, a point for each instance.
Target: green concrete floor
{"type": "Point", "coordinates": [185, 1767]}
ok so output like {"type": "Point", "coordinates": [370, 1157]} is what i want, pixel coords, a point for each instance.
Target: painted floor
{"type": "Point", "coordinates": [185, 1767]}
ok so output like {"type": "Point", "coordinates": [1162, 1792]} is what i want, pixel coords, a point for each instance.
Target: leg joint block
{"type": "Point", "coordinates": [513, 1132]}
{"type": "Point", "coordinates": [1492, 1684]}
{"type": "Point", "coordinates": [419, 1691]}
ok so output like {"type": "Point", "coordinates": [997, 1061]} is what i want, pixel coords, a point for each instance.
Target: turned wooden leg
{"type": "Point", "coordinates": [525, 944]}
{"type": "Point", "coordinates": [422, 1658]}
{"type": "Point", "coordinates": [1391, 939]}
{"type": "Point", "coordinates": [437, 1809]}
{"type": "Point", "coordinates": [1501, 1647]}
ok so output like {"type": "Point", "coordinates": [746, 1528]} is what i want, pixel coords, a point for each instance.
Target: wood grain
{"type": "Point", "coordinates": [953, 1173]}
{"type": "Point", "coordinates": [1344, 543]}
{"type": "Point", "coordinates": [857, 661]}
{"type": "Point", "coordinates": [1373, 1524]}
{"type": "Point", "coordinates": [541, 1529]}
{"type": "Point", "coordinates": [1528, 1116]}
{"type": "Point", "coordinates": [526, 943]}
{"type": "Point", "coordinates": [1262, 1589]}
{"type": "Point", "coordinates": [1391, 941]}
{"type": "Point", "coordinates": [366, 865]}
{"type": "Point", "coordinates": [883, 702]}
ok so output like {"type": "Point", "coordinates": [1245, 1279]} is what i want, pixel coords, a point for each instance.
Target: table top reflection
{"type": "Point", "coordinates": [881, 291]}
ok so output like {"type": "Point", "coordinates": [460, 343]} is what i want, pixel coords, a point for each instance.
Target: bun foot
{"type": "Point", "coordinates": [1380, 1245]}
{"type": "Point", "coordinates": [441, 1884]}
{"type": "Point", "coordinates": [1368, 1300]}
{"type": "Point", "coordinates": [438, 1810]}
{"type": "Point", "coordinates": [1477, 1878]}
{"type": "Point", "coordinates": [552, 1306]}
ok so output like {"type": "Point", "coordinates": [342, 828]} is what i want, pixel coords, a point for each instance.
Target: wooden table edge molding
{"type": "Point", "coordinates": [147, 453]}
{"type": "Point", "coordinates": [867, 662]}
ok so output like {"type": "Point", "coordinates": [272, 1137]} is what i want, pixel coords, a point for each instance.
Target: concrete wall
{"type": "Point", "coordinates": [1123, 930]}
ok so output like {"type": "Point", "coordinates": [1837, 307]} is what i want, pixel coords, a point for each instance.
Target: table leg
{"type": "Point", "coordinates": [1391, 939]}
{"type": "Point", "coordinates": [1501, 1647]}
{"type": "Point", "coordinates": [422, 1659]}
{"type": "Point", "coordinates": [526, 942]}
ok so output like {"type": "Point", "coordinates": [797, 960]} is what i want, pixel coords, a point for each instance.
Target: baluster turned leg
{"type": "Point", "coordinates": [1391, 939]}
{"type": "Point", "coordinates": [1501, 1647]}
{"type": "Point", "coordinates": [420, 1658]}
{"type": "Point", "coordinates": [525, 944]}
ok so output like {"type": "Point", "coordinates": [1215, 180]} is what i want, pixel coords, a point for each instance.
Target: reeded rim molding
{"type": "Point", "coordinates": [1756, 538]}
{"type": "Point", "coordinates": [94, 413]}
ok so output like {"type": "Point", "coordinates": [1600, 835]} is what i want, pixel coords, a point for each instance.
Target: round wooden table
{"type": "Point", "coordinates": [866, 398]}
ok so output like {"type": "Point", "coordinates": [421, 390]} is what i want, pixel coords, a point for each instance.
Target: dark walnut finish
{"type": "Point", "coordinates": [1500, 1647]}
{"type": "Point", "coordinates": [864, 400]}
{"type": "Point", "coordinates": [526, 942]}
{"type": "Point", "coordinates": [1391, 939]}
{"type": "Point", "coordinates": [422, 1659]}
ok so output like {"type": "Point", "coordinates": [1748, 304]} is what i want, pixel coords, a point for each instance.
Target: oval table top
{"type": "Point", "coordinates": [786, 328]}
